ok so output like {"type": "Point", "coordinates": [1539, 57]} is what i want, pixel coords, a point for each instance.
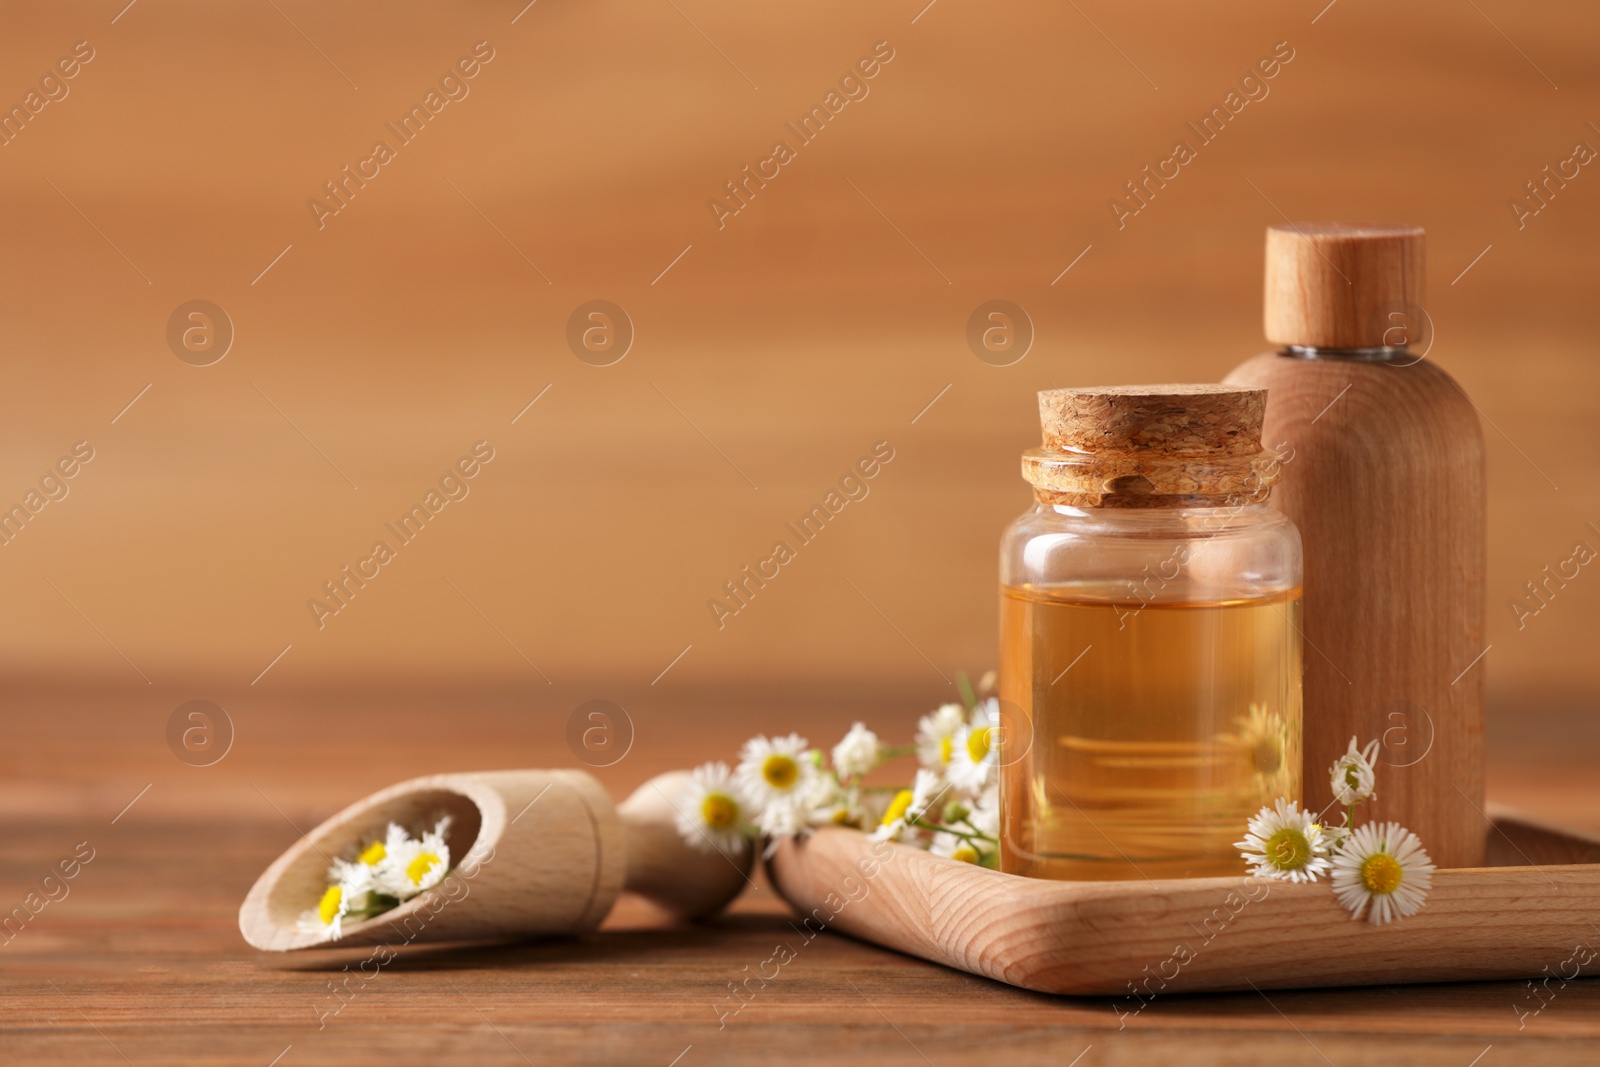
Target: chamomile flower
{"type": "Point", "coordinates": [357, 879]}
{"type": "Point", "coordinates": [411, 865]}
{"type": "Point", "coordinates": [909, 805]}
{"type": "Point", "coordinates": [1382, 870]}
{"type": "Point", "coordinates": [1285, 842]}
{"type": "Point", "coordinates": [712, 812]}
{"type": "Point", "coordinates": [774, 773]}
{"type": "Point", "coordinates": [778, 821]}
{"type": "Point", "coordinates": [828, 803]}
{"type": "Point", "coordinates": [348, 889]}
{"type": "Point", "coordinates": [327, 917]}
{"type": "Point", "coordinates": [974, 753]}
{"type": "Point", "coordinates": [956, 848]}
{"type": "Point", "coordinates": [857, 753]}
{"type": "Point", "coordinates": [936, 736]}
{"type": "Point", "coordinates": [847, 811]}
{"type": "Point", "coordinates": [1352, 773]}
{"type": "Point", "coordinates": [893, 823]}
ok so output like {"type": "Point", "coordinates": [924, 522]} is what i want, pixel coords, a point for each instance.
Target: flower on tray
{"type": "Point", "coordinates": [1285, 842]}
{"type": "Point", "coordinates": [974, 754]}
{"type": "Point", "coordinates": [956, 848]}
{"type": "Point", "coordinates": [936, 733]}
{"type": "Point", "coordinates": [908, 810]}
{"type": "Point", "coordinates": [784, 788]}
{"type": "Point", "coordinates": [1352, 774]}
{"type": "Point", "coordinates": [775, 772]}
{"type": "Point", "coordinates": [1377, 870]}
{"type": "Point", "coordinates": [1384, 870]}
{"type": "Point", "coordinates": [857, 753]}
{"type": "Point", "coordinates": [378, 876]}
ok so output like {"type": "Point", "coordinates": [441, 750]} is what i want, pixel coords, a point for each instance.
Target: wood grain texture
{"type": "Point", "coordinates": [144, 959]}
{"type": "Point", "coordinates": [1384, 479]}
{"type": "Point", "coordinates": [1334, 285]}
{"type": "Point", "coordinates": [1161, 936]}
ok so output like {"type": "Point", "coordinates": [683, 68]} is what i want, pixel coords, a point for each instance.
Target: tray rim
{"type": "Point", "coordinates": [1481, 923]}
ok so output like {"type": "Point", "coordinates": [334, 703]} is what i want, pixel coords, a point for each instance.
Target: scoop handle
{"type": "Point", "coordinates": [689, 882]}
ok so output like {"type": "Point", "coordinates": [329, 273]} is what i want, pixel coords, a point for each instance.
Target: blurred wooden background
{"type": "Point", "coordinates": [769, 355]}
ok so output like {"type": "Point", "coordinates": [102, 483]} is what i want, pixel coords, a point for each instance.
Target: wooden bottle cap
{"type": "Point", "coordinates": [1333, 285]}
{"type": "Point", "coordinates": [1151, 446]}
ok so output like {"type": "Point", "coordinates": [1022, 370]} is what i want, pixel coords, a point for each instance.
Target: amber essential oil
{"type": "Point", "coordinates": [1156, 729]}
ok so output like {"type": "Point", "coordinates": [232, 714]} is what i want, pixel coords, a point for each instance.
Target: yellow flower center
{"type": "Point", "coordinates": [418, 868]}
{"type": "Point", "coordinates": [842, 817]}
{"type": "Point", "coordinates": [945, 745]}
{"type": "Point", "coordinates": [719, 811]}
{"type": "Point", "coordinates": [965, 853]}
{"type": "Point", "coordinates": [780, 771]}
{"type": "Point", "coordinates": [373, 853]}
{"type": "Point", "coordinates": [1381, 873]}
{"type": "Point", "coordinates": [1352, 777]}
{"type": "Point", "coordinates": [897, 807]}
{"type": "Point", "coordinates": [1288, 849]}
{"type": "Point", "coordinates": [328, 909]}
{"type": "Point", "coordinates": [978, 744]}
{"type": "Point", "coordinates": [1268, 755]}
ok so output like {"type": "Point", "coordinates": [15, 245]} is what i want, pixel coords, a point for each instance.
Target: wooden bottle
{"type": "Point", "coordinates": [1383, 475]}
{"type": "Point", "coordinates": [534, 853]}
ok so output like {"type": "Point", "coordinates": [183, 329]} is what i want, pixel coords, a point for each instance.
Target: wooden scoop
{"type": "Point", "coordinates": [534, 853]}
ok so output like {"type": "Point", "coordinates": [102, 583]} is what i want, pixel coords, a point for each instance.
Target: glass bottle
{"type": "Point", "coordinates": [1150, 649]}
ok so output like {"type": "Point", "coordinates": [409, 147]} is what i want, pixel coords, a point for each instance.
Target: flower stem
{"type": "Point", "coordinates": [964, 684]}
{"type": "Point", "coordinates": [921, 823]}
{"type": "Point", "coordinates": [980, 833]}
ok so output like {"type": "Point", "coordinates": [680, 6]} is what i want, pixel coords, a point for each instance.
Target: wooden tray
{"type": "Point", "coordinates": [1534, 913]}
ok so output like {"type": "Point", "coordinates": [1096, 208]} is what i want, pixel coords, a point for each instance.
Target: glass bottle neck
{"type": "Point", "coordinates": [1159, 520]}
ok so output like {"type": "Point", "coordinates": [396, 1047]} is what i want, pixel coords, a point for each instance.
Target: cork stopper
{"type": "Point", "coordinates": [1151, 446]}
{"type": "Point", "coordinates": [1175, 419]}
{"type": "Point", "coordinates": [1333, 285]}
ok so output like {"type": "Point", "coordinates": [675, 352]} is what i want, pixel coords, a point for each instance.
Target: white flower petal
{"type": "Point", "coordinates": [857, 753]}
{"type": "Point", "coordinates": [713, 781]}
{"type": "Point", "coordinates": [1404, 849]}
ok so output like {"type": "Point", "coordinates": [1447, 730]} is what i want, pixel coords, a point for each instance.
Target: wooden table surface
{"type": "Point", "coordinates": [143, 963]}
